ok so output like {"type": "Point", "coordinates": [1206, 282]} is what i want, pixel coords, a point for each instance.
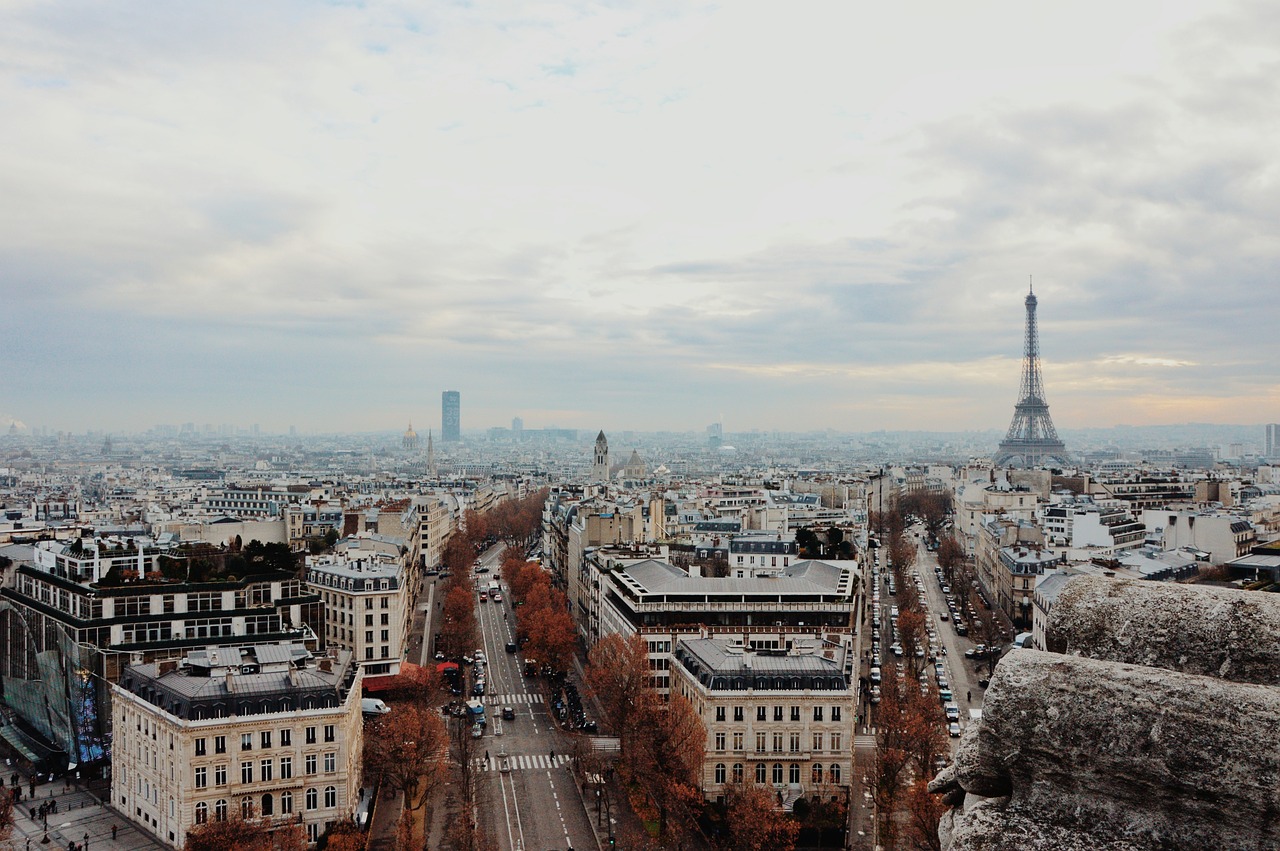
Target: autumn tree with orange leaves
{"type": "Point", "coordinates": [923, 812]}
{"type": "Point", "coordinates": [457, 621]}
{"type": "Point", "coordinates": [237, 834]}
{"type": "Point", "coordinates": [753, 821]}
{"type": "Point", "coordinates": [619, 676]}
{"type": "Point", "coordinates": [408, 748]}
{"type": "Point", "coordinates": [666, 765]}
{"type": "Point", "coordinates": [544, 620]}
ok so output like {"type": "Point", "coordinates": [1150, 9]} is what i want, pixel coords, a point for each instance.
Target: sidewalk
{"type": "Point", "coordinates": [80, 814]}
{"type": "Point", "coordinates": [387, 810]}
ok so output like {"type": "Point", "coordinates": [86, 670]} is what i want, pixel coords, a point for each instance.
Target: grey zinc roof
{"type": "Point", "coordinates": [713, 655]}
{"type": "Point", "coordinates": [658, 577]}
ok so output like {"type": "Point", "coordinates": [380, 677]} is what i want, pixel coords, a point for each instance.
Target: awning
{"type": "Point", "coordinates": [373, 685]}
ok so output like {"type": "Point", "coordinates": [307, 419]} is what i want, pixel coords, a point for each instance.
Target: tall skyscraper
{"type": "Point", "coordinates": [1273, 440]}
{"type": "Point", "coordinates": [1032, 440]}
{"type": "Point", "coordinates": [451, 416]}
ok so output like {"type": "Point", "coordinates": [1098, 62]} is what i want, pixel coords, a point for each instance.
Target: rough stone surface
{"type": "Point", "coordinates": [1082, 753]}
{"type": "Point", "coordinates": [1216, 632]}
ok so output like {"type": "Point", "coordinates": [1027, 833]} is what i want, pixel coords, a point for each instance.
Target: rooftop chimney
{"type": "Point", "coordinates": [231, 686]}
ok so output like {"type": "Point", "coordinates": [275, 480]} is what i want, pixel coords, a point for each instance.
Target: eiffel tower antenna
{"type": "Point", "coordinates": [1031, 440]}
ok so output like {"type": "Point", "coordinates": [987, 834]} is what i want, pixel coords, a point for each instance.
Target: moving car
{"type": "Point", "coordinates": [953, 729]}
{"type": "Point", "coordinates": [508, 713]}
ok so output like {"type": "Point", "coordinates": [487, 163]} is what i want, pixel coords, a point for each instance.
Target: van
{"type": "Point", "coordinates": [371, 707]}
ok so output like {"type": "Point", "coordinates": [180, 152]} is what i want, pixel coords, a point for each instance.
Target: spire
{"type": "Point", "coordinates": [1031, 440]}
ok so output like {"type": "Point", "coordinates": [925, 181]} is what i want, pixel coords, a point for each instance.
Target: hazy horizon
{"type": "Point", "coordinates": [651, 216]}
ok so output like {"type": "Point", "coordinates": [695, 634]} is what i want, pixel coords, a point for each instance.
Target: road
{"type": "Point", "coordinates": [536, 804]}
{"type": "Point", "coordinates": [960, 672]}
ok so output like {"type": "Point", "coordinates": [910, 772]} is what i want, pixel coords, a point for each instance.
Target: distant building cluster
{"type": "Point", "coordinates": [232, 594]}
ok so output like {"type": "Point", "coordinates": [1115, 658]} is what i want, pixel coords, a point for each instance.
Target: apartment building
{"type": "Point", "coordinates": [73, 614]}
{"type": "Point", "coordinates": [1225, 536]}
{"type": "Point", "coordinates": [782, 719]}
{"type": "Point", "coordinates": [1082, 523]}
{"type": "Point", "coordinates": [257, 501]}
{"type": "Point", "coordinates": [663, 604]}
{"type": "Point", "coordinates": [367, 605]}
{"type": "Point", "coordinates": [268, 733]}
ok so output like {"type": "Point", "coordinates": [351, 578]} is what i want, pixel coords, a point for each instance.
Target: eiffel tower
{"type": "Point", "coordinates": [1032, 440]}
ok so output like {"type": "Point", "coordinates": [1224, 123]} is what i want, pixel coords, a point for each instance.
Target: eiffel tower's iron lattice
{"type": "Point", "coordinates": [1032, 440]}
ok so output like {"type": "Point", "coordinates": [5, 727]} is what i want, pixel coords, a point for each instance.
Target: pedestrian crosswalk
{"type": "Point", "coordinates": [521, 762]}
{"type": "Point", "coordinates": [864, 742]}
{"type": "Point", "coordinates": [512, 699]}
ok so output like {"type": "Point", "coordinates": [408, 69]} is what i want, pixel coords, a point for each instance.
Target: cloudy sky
{"type": "Point", "coordinates": [639, 215]}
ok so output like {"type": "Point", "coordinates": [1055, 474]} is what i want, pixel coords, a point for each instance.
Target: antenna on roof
{"type": "Point", "coordinates": [1030, 288]}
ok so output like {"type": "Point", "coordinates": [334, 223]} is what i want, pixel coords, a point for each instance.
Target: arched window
{"type": "Point", "coordinates": [312, 799]}
{"type": "Point", "coordinates": [762, 773]}
{"type": "Point", "coordinates": [268, 805]}
{"type": "Point", "coordinates": [246, 807]}
{"type": "Point", "coordinates": [331, 796]}
{"type": "Point", "coordinates": [777, 773]}
{"type": "Point", "coordinates": [737, 772]}
{"type": "Point", "coordinates": [817, 774]}
{"type": "Point", "coordinates": [220, 809]}
{"type": "Point", "coordinates": [202, 812]}
{"type": "Point", "coordinates": [720, 772]}
{"type": "Point", "coordinates": [835, 774]}
{"type": "Point", "coordinates": [286, 803]}
{"type": "Point", "coordinates": [793, 773]}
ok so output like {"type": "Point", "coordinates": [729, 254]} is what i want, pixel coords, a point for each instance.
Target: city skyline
{"type": "Point", "coordinates": [641, 217]}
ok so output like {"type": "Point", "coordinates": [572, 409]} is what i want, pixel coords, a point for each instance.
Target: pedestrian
{"type": "Point", "coordinates": [968, 695]}
{"type": "Point", "coordinates": [113, 832]}
{"type": "Point", "coordinates": [553, 756]}
{"type": "Point", "coordinates": [486, 756]}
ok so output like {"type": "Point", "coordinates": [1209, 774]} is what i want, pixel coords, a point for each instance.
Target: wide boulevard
{"type": "Point", "coordinates": [526, 798]}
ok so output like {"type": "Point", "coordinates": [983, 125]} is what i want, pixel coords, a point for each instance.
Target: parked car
{"type": "Point", "coordinates": [371, 707]}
